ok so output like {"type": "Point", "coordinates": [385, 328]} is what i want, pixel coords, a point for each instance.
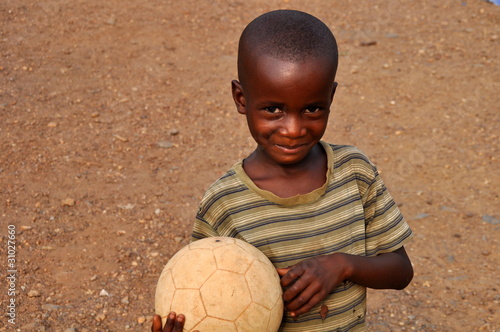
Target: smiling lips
{"type": "Point", "coordinates": [290, 148]}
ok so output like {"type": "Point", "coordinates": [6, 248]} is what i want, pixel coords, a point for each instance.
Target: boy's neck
{"type": "Point", "coordinates": [290, 179]}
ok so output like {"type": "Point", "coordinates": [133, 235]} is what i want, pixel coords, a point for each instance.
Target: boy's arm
{"type": "Point", "coordinates": [311, 280]}
{"type": "Point", "coordinates": [391, 270]}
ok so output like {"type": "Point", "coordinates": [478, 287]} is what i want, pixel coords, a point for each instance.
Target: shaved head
{"type": "Point", "coordinates": [287, 35]}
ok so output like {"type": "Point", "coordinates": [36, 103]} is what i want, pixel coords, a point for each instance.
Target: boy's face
{"type": "Point", "coordinates": [286, 104]}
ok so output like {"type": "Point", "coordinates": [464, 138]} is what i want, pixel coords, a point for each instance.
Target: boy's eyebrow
{"type": "Point", "coordinates": [268, 103]}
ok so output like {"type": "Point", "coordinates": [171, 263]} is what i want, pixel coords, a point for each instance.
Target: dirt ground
{"type": "Point", "coordinates": [117, 115]}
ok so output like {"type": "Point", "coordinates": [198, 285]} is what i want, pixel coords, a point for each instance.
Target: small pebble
{"type": "Point", "coordinates": [70, 329]}
{"type": "Point", "coordinates": [485, 252]}
{"type": "Point", "coordinates": [121, 138]}
{"type": "Point", "coordinates": [490, 220]}
{"type": "Point", "coordinates": [125, 300]}
{"type": "Point", "coordinates": [52, 124]}
{"type": "Point", "coordinates": [141, 319]}
{"type": "Point", "coordinates": [421, 216]}
{"type": "Point", "coordinates": [50, 307]}
{"type": "Point", "coordinates": [173, 132]}
{"type": "Point", "coordinates": [447, 208]}
{"type": "Point", "coordinates": [103, 293]}
{"type": "Point", "coordinates": [111, 20]}
{"type": "Point", "coordinates": [126, 206]}
{"type": "Point", "coordinates": [391, 35]}
{"type": "Point", "coordinates": [30, 327]}
{"type": "Point", "coordinates": [33, 293]}
{"type": "Point", "coordinates": [100, 317]}
{"type": "Point", "coordinates": [165, 144]}
{"type": "Point", "coordinates": [68, 202]}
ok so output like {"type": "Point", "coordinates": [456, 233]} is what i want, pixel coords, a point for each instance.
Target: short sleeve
{"type": "Point", "coordinates": [386, 229]}
{"type": "Point", "coordinates": [202, 229]}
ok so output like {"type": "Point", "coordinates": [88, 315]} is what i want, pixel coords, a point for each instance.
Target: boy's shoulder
{"type": "Point", "coordinates": [342, 155]}
{"type": "Point", "coordinates": [228, 183]}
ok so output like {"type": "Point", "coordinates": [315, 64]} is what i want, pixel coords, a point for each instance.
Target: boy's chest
{"type": "Point", "coordinates": [287, 235]}
{"type": "Point", "coordinates": [300, 184]}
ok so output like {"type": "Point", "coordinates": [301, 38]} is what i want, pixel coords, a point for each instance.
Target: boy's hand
{"type": "Point", "coordinates": [310, 281]}
{"type": "Point", "coordinates": [175, 323]}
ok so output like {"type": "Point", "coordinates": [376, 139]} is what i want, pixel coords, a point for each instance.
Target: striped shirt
{"type": "Point", "coordinates": [351, 213]}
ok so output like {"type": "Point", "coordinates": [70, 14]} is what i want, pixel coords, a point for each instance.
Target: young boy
{"type": "Point", "coordinates": [320, 212]}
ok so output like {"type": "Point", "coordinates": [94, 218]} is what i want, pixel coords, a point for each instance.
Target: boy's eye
{"type": "Point", "coordinates": [312, 109]}
{"type": "Point", "coordinates": [272, 109]}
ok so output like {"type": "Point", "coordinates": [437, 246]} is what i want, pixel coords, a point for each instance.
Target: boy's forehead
{"type": "Point", "coordinates": [264, 63]}
{"type": "Point", "coordinates": [276, 79]}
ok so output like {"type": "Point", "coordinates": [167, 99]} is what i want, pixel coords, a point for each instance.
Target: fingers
{"type": "Point", "coordinates": [156, 326]}
{"type": "Point", "coordinates": [306, 306]}
{"type": "Point", "coordinates": [283, 271]}
{"type": "Point", "coordinates": [290, 275]}
{"type": "Point", "coordinates": [175, 323]}
{"type": "Point", "coordinates": [300, 293]}
{"type": "Point", "coordinates": [179, 323]}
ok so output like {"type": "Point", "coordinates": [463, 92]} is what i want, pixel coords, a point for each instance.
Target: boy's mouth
{"type": "Point", "coordinates": [290, 148]}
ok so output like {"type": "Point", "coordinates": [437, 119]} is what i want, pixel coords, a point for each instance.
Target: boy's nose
{"type": "Point", "coordinates": [292, 127]}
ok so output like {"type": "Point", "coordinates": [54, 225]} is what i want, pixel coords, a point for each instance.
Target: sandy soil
{"type": "Point", "coordinates": [117, 115]}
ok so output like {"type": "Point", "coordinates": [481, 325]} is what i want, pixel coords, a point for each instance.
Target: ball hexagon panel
{"type": "Point", "coordinates": [232, 258]}
{"type": "Point", "coordinates": [215, 324]}
{"type": "Point", "coordinates": [173, 260]}
{"type": "Point", "coordinates": [253, 251]}
{"type": "Point", "coordinates": [189, 303]}
{"type": "Point", "coordinates": [264, 292]}
{"type": "Point", "coordinates": [252, 319]}
{"type": "Point", "coordinates": [229, 286]}
{"type": "Point", "coordinates": [194, 268]}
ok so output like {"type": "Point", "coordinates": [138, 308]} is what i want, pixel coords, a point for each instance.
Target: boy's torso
{"type": "Point", "coordinates": [288, 230]}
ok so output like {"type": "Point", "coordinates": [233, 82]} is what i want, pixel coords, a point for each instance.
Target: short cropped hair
{"type": "Point", "coordinates": [288, 35]}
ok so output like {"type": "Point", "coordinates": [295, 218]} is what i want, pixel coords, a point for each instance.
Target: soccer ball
{"type": "Point", "coordinates": [221, 284]}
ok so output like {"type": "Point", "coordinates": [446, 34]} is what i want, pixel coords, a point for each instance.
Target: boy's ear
{"type": "Point", "coordinates": [335, 84]}
{"type": "Point", "coordinates": [238, 97]}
